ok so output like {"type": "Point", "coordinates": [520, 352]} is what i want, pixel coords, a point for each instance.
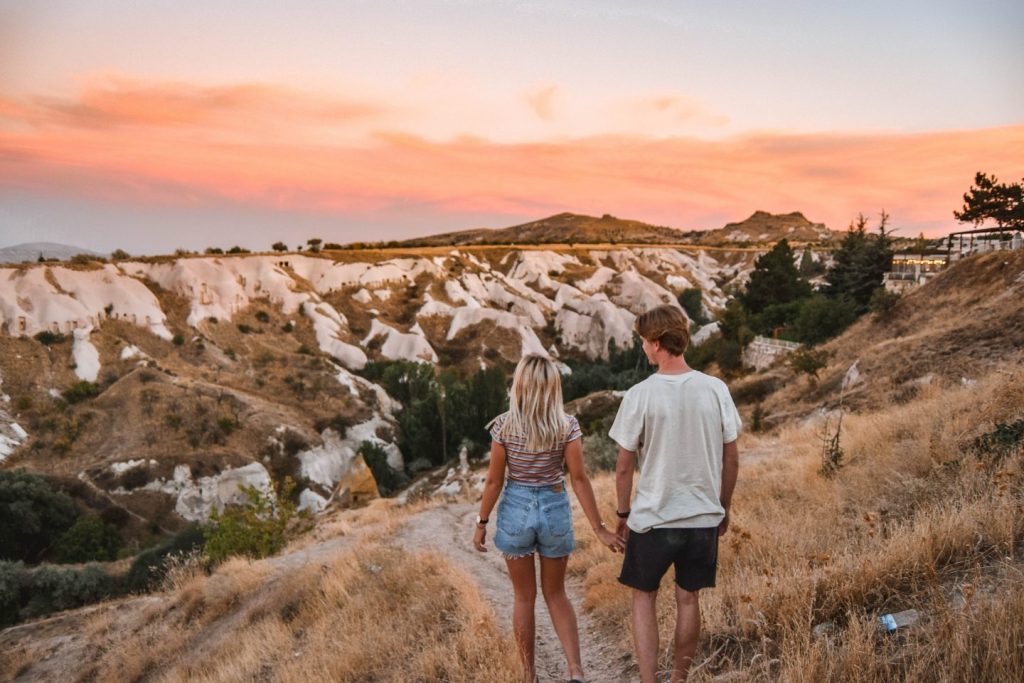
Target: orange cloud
{"type": "Point", "coordinates": [119, 102]}
{"type": "Point", "coordinates": [175, 146]}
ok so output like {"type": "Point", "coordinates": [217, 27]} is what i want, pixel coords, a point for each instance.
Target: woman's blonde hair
{"type": "Point", "coordinates": [535, 404]}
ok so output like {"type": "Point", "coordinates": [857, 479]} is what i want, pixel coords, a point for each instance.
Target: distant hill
{"type": "Point", "coordinates": [570, 228]}
{"type": "Point", "coordinates": [563, 228]}
{"type": "Point", "coordinates": [764, 227]}
{"type": "Point", "coordinates": [30, 251]}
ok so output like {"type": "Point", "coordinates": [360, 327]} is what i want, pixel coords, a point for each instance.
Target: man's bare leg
{"type": "Point", "coordinates": [524, 585]}
{"type": "Point", "coordinates": [687, 631]}
{"type": "Point", "coordinates": [645, 633]}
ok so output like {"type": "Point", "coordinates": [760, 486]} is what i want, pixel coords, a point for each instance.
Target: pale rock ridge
{"type": "Point", "coordinates": [197, 499]}
{"type": "Point", "coordinates": [57, 299]}
{"type": "Point", "coordinates": [401, 345]}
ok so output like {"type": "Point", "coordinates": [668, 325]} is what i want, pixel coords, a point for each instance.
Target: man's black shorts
{"type": "Point", "coordinates": [648, 556]}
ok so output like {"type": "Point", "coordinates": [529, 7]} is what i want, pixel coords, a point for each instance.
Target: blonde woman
{"type": "Point", "coordinates": [535, 441]}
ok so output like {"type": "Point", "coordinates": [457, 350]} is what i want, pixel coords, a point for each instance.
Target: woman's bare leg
{"type": "Point", "coordinates": [563, 617]}
{"type": "Point", "coordinates": [524, 585]}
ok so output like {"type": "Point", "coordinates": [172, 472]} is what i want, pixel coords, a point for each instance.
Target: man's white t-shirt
{"type": "Point", "coordinates": [677, 424]}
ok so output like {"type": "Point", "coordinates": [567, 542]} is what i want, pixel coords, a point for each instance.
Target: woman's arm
{"type": "Point", "coordinates": [492, 489]}
{"type": "Point", "coordinates": [585, 494]}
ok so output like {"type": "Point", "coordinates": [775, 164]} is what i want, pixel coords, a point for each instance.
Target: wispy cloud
{"type": "Point", "coordinates": [180, 145]}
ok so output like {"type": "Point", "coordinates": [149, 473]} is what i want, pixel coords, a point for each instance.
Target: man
{"type": "Point", "coordinates": [683, 426]}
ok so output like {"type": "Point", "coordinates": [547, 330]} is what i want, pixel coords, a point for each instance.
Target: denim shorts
{"type": "Point", "coordinates": [534, 519]}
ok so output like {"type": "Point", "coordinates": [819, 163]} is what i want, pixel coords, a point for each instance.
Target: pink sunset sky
{"type": "Point", "coordinates": [151, 126]}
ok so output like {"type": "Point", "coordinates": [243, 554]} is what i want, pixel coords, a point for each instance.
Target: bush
{"type": "Point", "coordinates": [89, 539]}
{"type": "Point", "coordinates": [883, 304]}
{"type": "Point", "coordinates": [178, 340]}
{"type": "Point", "coordinates": [263, 316]}
{"type": "Point", "coordinates": [27, 593]}
{"type": "Point", "coordinates": [338, 423]}
{"type": "Point", "coordinates": [149, 566]}
{"type": "Point", "coordinates": [119, 254]}
{"type": "Point", "coordinates": [388, 479]}
{"type": "Point", "coordinates": [821, 318]}
{"type": "Point", "coordinates": [80, 391]}
{"type": "Point", "coordinates": [809, 362]}
{"type": "Point", "coordinates": [47, 338]}
{"type": "Point", "coordinates": [51, 589]}
{"type": "Point", "coordinates": [287, 327]}
{"type": "Point", "coordinates": [32, 515]}
{"type": "Point", "coordinates": [244, 329]}
{"type": "Point", "coordinates": [255, 530]}
{"type": "Point", "coordinates": [754, 391]}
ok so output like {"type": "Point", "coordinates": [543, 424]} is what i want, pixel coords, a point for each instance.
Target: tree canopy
{"type": "Point", "coordinates": [775, 280]}
{"type": "Point", "coordinates": [860, 262]}
{"type": "Point", "coordinates": [988, 199]}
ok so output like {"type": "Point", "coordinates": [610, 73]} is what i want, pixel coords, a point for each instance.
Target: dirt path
{"type": "Point", "coordinates": [448, 529]}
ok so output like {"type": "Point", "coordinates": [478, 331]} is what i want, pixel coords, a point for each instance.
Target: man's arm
{"type": "Point", "coordinates": [624, 466]}
{"type": "Point", "coordinates": [730, 468]}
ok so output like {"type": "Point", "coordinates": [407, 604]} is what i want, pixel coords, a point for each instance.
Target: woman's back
{"type": "Point", "coordinates": [534, 467]}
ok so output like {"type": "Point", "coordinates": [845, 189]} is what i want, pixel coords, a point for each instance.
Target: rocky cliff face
{"type": "Point", "coordinates": [169, 383]}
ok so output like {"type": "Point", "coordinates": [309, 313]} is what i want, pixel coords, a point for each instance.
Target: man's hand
{"type": "Point", "coordinates": [723, 528]}
{"type": "Point", "coordinates": [622, 531]}
{"type": "Point", "coordinates": [480, 538]}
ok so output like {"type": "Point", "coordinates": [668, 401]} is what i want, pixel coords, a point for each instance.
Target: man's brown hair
{"type": "Point", "coordinates": [666, 325]}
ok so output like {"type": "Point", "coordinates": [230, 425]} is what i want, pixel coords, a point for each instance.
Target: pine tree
{"type": "Point", "coordinates": [775, 280]}
{"type": "Point", "coordinates": [860, 262]}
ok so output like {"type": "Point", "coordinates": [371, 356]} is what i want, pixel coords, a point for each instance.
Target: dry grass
{"type": "Point", "coordinates": [913, 520]}
{"type": "Point", "coordinates": [372, 613]}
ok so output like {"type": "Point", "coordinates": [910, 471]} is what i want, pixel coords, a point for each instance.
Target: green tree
{"type": "Point", "coordinates": [810, 362]}
{"type": "Point", "coordinates": [988, 199]}
{"type": "Point", "coordinates": [314, 244]}
{"type": "Point", "coordinates": [774, 280]}
{"type": "Point", "coordinates": [820, 318]}
{"type": "Point", "coordinates": [32, 516]}
{"type": "Point", "coordinates": [279, 246]}
{"type": "Point", "coordinates": [691, 300]}
{"type": "Point", "coordinates": [89, 539]}
{"type": "Point", "coordinates": [119, 254]}
{"type": "Point", "coordinates": [860, 262]}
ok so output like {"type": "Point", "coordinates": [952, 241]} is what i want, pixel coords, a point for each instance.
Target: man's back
{"type": "Point", "coordinates": [677, 424]}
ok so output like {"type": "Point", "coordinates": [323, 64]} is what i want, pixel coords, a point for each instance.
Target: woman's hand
{"type": "Point", "coordinates": [610, 540]}
{"type": "Point", "coordinates": [480, 538]}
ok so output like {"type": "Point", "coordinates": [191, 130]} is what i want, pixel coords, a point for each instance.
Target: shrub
{"type": "Point", "coordinates": [227, 425]}
{"type": "Point", "coordinates": [255, 529]}
{"type": "Point", "coordinates": [119, 254]}
{"type": "Point", "coordinates": [600, 452]}
{"type": "Point", "coordinates": [52, 589]}
{"type": "Point", "coordinates": [809, 362]}
{"type": "Point", "coordinates": [47, 338]}
{"type": "Point", "coordinates": [89, 539]}
{"type": "Point", "coordinates": [388, 479]}
{"type": "Point", "coordinates": [244, 329]}
{"type": "Point", "coordinates": [263, 316]}
{"type": "Point", "coordinates": [178, 339]}
{"type": "Point", "coordinates": [338, 423]}
{"type": "Point", "coordinates": [32, 515]}
{"type": "Point", "coordinates": [754, 391]}
{"type": "Point", "coordinates": [80, 391]}
{"type": "Point", "coordinates": [821, 318]}
{"type": "Point", "coordinates": [149, 566]}
{"type": "Point", "coordinates": [287, 327]}
{"type": "Point", "coordinates": [883, 304]}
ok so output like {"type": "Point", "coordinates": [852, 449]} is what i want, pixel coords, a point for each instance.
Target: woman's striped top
{"type": "Point", "coordinates": [535, 468]}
